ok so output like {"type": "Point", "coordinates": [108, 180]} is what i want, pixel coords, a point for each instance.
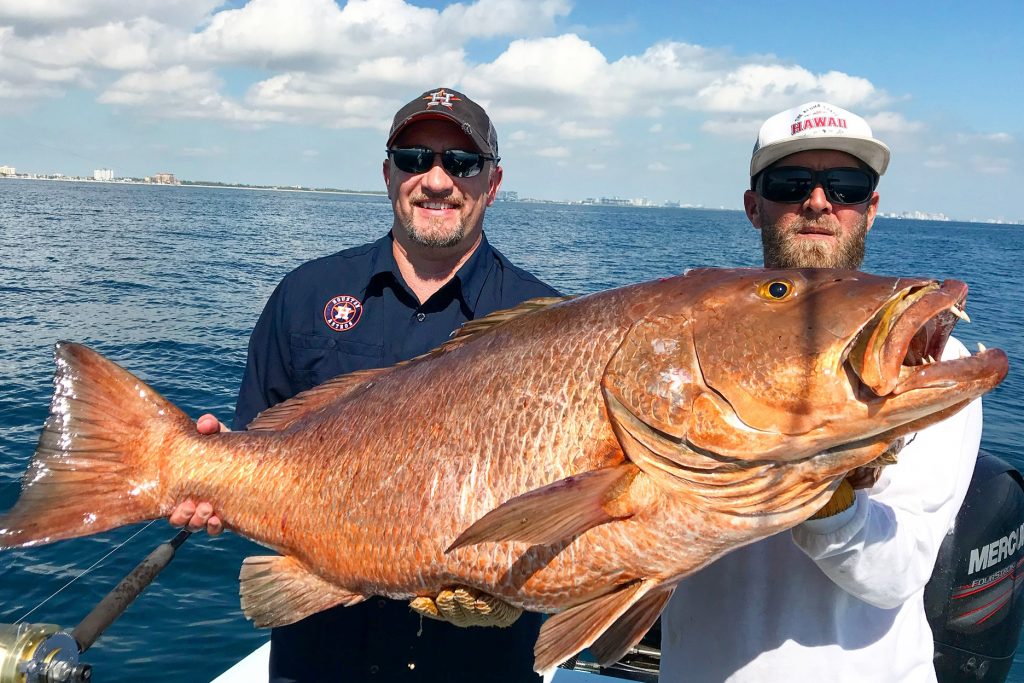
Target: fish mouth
{"type": "Point", "coordinates": [899, 348]}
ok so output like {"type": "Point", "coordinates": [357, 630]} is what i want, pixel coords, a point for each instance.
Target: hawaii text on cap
{"type": "Point", "coordinates": [450, 105]}
{"type": "Point", "coordinates": [817, 125]}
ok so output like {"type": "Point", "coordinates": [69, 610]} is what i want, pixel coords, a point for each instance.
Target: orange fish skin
{"type": "Point", "coordinates": [731, 414]}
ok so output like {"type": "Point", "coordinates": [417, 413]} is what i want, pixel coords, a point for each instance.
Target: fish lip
{"type": "Point", "coordinates": [907, 334]}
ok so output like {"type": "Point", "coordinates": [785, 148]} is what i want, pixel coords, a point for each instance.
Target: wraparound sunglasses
{"type": "Point", "coordinates": [457, 163]}
{"type": "Point", "coordinates": [794, 184]}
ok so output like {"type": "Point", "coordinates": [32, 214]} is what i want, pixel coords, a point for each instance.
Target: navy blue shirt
{"type": "Point", "coordinates": [353, 311]}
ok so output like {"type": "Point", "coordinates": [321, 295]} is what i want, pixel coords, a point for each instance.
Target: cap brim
{"type": "Point", "coordinates": [435, 116]}
{"type": "Point", "coordinates": [872, 152]}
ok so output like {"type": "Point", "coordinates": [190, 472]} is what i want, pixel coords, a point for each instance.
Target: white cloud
{"type": "Point", "coordinates": [892, 122]}
{"type": "Point", "coordinates": [180, 92]}
{"type": "Point", "coordinates": [774, 87]}
{"type": "Point", "coordinates": [991, 165]}
{"type": "Point", "coordinates": [351, 64]}
{"type": "Point", "coordinates": [553, 152]}
{"type": "Point", "coordinates": [1001, 138]}
{"type": "Point", "coordinates": [745, 128]}
{"type": "Point", "coordinates": [572, 130]}
{"type": "Point", "coordinates": [658, 167]}
{"type": "Point", "coordinates": [490, 18]}
{"type": "Point", "coordinates": [681, 147]}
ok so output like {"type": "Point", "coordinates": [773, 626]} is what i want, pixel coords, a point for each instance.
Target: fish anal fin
{"type": "Point", "coordinates": [567, 633]}
{"type": "Point", "coordinates": [288, 412]}
{"type": "Point", "coordinates": [277, 591]}
{"type": "Point", "coordinates": [558, 511]}
{"type": "Point", "coordinates": [630, 627]}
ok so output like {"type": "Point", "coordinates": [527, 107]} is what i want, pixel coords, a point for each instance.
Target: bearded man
{"type": "Point", "coordinates": [839, 597]}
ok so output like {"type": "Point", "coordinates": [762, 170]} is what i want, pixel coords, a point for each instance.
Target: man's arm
{"type": "Point", "coordinates": [883, 549]}
{"type": "Point", "coordinates": [264, 382]}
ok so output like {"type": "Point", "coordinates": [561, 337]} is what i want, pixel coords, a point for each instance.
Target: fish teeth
{"type": "Point", "coordinates": [981, 348]}
{"type": "Point", "coordinates": [960, 313]}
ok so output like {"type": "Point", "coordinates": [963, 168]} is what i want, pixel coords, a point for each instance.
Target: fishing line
{"type": "Point", "coordinates": [94, 565]}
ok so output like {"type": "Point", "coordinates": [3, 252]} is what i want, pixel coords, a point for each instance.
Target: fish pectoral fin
{"type": "Point", "coordinates": [627, 631]}
{"type": "Point", "coordinates": [558, 511]}
{"type": "Point", "coordinates": [277, 591]}
{"type": "Point", "coordinates": [567, 633]}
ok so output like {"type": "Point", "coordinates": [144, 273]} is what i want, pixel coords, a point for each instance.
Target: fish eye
{"type": "Point", "coordinates": [776, 290]}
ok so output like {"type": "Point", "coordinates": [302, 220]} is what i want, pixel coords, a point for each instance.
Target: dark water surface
{"type": "Point", "coordinates": [168, 281]}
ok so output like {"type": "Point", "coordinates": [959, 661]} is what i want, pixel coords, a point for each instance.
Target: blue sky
{"type": "Point", "coordinates": [591, 98]}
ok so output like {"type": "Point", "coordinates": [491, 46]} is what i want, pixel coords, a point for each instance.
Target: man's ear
{"type": "Point", "coordinates": [386, 168]}
{"type": "Point", "coordinates": [871, 212]}
{"type": "Point", "coordinates": [752, 207]}
{"type": "Point", "coordinates": [493, 183]}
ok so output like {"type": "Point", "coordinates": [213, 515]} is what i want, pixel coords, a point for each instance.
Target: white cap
{"type": "Point", "coordinates": [817, 125]}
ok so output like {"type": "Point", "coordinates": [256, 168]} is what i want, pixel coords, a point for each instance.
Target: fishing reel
{"type": "Point", "coordinates": [40, 653]}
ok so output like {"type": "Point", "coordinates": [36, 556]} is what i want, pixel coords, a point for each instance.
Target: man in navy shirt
{"type": "Point", "coordinates": [372, 306]}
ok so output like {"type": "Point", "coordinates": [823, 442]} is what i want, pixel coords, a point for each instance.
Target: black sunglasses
{"type": "Point", "coordinates": [794, 184]}
{"type": "Point", "coordinates": [456, 162]}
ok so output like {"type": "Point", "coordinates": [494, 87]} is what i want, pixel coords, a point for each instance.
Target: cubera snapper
{"type": "Point", "coordinates": [577, 457]}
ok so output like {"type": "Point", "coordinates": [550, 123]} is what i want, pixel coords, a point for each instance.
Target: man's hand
{"type": "Point", "coordinates": [863, 477]}
{"type": "Point", "coordinates": [843, 497]}
{"type": "Point", "coordinates": [467, 607]}
{"type": "Point", "coordinates": [196, 517]}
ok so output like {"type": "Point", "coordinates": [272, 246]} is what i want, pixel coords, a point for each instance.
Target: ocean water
{"type": "Point", "coordinates": [168, 281]}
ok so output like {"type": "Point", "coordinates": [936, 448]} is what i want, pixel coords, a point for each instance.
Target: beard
{"type": "Point", "coordinates": [435, 238]}
{"type": "Point", "coordinates": [435, 234]}
{"type": "Point", "coordinates": [783, 250]}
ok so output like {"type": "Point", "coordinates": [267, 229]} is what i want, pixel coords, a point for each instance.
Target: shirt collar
{"type": "Point", "coordinates": [470, 277]}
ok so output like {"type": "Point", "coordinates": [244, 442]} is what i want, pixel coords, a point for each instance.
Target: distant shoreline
{"type": "Point", "coordinates": [896, 216]}
{"type": "Point", "coordinates": [189, 183]}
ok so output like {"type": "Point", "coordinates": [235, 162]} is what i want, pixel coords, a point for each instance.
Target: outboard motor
{"type": "Point", "coordinates": [973, 600]}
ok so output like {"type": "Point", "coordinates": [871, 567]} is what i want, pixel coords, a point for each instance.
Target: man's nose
{"type": "Point", "coordinates": [818, 202]}
{"type": "Point", "coordinates": [437, 179]}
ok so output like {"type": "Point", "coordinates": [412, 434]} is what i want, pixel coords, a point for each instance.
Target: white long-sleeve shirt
{"type": "Point", "coordinates": [837, 599]}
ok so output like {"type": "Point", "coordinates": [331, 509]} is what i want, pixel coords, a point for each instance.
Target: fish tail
{"type": "Point", "coordinates": [97, 465]}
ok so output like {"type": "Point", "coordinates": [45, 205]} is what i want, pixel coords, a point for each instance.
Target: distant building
{"type": "Point", "coordinates": [507, 196]}
{"type": "Point", "coordinates": [165, 179]}
{"type": "Point", "coordinates": [6, 170]}
{"type": "Point", "coordinates": [103, 174]}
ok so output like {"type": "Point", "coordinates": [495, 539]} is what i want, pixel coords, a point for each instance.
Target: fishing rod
{"type": "Point", "coordinates": [44, 653]}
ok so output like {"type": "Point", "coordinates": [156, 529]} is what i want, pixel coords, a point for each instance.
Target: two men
{"type": "Point", "coordinates": [840, 598]}
{"type": "Point", "coordinates": [372, 306]}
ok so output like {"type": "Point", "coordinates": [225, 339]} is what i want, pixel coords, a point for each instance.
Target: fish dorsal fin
{"type": "Point", "coordinates": [286, 413]}
{"type": "Point", "coordinates": [474, 327]}
{"type": "Point", "coordinates": [277, 591]}
{"type": "Point", "coordinates": [569, 632]}
{"type": "Point", "coordinates": [558, 511]}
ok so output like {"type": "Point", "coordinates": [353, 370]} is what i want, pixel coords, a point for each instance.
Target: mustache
{"type": "Point", "coordinates": [814, 226]}
{"type": "Point", "coordinates": [446, 198]}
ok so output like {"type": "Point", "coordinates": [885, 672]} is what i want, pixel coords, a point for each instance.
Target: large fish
{"type": "Point", "coordinates": [573, 457]}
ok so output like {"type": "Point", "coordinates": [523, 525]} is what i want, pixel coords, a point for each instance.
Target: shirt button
{"type": "Point", "coordinates": [421, 316]}
{"type": "Point", "coordinates": [374, 668]}
{"type": "Point", "coordinates": [382, 603]}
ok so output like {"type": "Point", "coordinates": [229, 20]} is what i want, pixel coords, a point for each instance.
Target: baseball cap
{"type": "Point", "coordinates": [450, 105]}
{"type": "Point", "coordinates": [817, 125]}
